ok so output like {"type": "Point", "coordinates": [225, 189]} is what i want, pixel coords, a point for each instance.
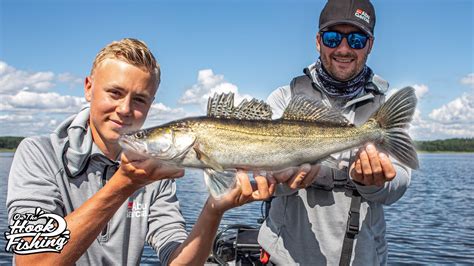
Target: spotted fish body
{"type": "Point", "coordinates": [245, 137]}
{"type": "Point", "coordinates": [270, 145]}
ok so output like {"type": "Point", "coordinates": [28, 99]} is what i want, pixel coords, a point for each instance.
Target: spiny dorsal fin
{"type": "Point", "coordinates": [253, 110]}
{"type": "Point", "coordinates": [222, 106]}
{"type": "Point", "coordinates": [302, 108]}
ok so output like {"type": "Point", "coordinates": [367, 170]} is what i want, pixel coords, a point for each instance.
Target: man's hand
{"type": "Point", "coordinates": [243, 193]}
{"type": "Point", "coordinates": [195, 250]}
{"type": "Point", "coordinates": [372, 167]}
{"type": "Point", "coordinates": [298, 177]}
{"type": "Point", "coordinates": [141, 171]}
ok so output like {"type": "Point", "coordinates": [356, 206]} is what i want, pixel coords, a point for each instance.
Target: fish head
{"type": "Point", "coordinates": [164, 143]}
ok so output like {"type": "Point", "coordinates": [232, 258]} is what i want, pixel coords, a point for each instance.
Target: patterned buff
{"type": "Point", "coordinates": [346, 90]}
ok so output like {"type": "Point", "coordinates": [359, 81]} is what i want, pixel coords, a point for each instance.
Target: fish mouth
{"type": "Point", "coordinates": [129, 143]}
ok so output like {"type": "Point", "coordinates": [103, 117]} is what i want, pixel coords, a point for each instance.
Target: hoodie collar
{"type": "Point", "coordinates": [75, 142]}
{"type": "Point", "coordinates": [74, 145]}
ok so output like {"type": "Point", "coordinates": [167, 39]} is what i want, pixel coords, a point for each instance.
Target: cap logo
{"type": "Point", "coordinates": [362, 15]}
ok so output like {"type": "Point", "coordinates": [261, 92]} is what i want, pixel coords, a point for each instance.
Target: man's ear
{"type": "Point", "coordinates": [88, 88]}
{"type": "Point", "coordinates": [318, 42]}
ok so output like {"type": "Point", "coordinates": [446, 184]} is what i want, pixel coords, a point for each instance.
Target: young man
{"type": "Point", "coordinates": [79, 173]}
{"type": "Point", "coordinates": [309, 221]}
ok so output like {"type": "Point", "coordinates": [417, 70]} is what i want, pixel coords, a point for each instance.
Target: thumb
{"type": "Point", "coordinates": [285, 174]}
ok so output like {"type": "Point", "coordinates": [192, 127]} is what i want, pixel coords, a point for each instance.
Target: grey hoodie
{"type": "Point", "coordinates": [307, 226]}
{"type": "Point", "coordinates": [60, 172]}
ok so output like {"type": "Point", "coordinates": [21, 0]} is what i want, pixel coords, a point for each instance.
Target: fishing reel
{"type": "Point", "coordinates": [236, 245]}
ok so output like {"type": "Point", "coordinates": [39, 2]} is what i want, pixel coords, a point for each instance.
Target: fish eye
{"type": "Point", "coordinates": [139, 135]}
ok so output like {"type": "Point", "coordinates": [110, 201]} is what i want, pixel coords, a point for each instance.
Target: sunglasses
{"type": "Point", "coordinates": [333, 39]}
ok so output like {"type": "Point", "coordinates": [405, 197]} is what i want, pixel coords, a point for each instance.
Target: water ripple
{"type": "Point", "coordinates": [432, 224]}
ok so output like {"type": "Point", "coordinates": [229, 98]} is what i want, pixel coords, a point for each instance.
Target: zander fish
{"type": "Point", "coordinates": [246, 137]}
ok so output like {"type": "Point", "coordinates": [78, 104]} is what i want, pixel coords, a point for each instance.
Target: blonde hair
{"type": "Point", "coordinates": [132, 51]}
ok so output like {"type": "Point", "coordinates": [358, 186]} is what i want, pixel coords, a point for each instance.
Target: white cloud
{"type": "Point", "coordinates": [160, 113]}
{"type": "Point", "coordinates": [468, 80]}
{"type": "Point", "coordinates": [13, 80]}
{"type": "Point", "coordinates": [28, 123]}
{"type": "Point", "coordinates": [16, 118]}
{"type": "Point", "coordinates": [460, 110]}
{"type": "Point", "coordinates": [207, 85]}
{"type": "Point", "coordinates": [454, 119]}
{"type": "Point", "coordinates": [51, 101]}
{"type": "Point", "coordinates": [420, 90]}
{"type": "Point", "coordinates": [31, 113]}
{"type": "Point", "coordinates": [28, 107]}
{"type": "Point", "coordinates": [69, 78]}
{"type": "Point", "coordinates": [427, 129]}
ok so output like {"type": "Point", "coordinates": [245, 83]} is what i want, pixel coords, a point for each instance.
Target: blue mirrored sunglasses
{"type": "Point", "coordinates": [333, 39]}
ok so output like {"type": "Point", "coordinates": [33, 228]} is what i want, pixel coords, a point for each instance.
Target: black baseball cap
{"type": "Point", "coordinates": [360, 13]}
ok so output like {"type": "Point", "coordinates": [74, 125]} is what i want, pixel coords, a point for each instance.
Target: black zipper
{"type": "Point", "coordinates": [103, 182]}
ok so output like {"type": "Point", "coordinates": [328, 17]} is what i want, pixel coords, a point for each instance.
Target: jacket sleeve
{"type": "Point", "coordinates": [391, 191]}
{"type": "Point", "coordinates": [32, 179]}
{"type": "Point", "coordinates": [166, 225]}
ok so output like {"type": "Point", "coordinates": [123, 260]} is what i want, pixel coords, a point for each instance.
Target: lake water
{"type": "Point", "coordinates": [432, 224]}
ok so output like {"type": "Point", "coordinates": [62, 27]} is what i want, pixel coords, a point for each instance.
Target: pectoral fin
{"type": "Point", "coordinates": [208, 161]}
{"type": "Point", "coordinates": [219, 183]}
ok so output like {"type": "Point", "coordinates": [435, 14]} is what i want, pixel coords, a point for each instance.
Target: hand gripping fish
{"type": "Point", "coordinates": [246, 137]}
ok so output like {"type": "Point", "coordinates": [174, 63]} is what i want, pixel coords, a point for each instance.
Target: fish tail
{"type": "Point", "coordinates": [394, 117]}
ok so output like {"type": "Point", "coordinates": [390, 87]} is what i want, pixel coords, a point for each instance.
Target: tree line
{"type": "Point", "coordinates": [10, 142]}
{"type": "Point", "coordinates": [449, 145]}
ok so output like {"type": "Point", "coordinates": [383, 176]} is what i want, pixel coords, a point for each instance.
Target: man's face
{"type": "Point", "coordinates": [120, 95]}
{"type": "Point", "coordinates": [342, 62]}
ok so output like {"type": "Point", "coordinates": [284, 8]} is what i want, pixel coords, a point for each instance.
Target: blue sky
{"type": "Point", "coordinates": [249, 47]}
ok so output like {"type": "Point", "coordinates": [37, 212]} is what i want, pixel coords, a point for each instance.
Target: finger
{"type": "Point", "coordinates": [285, 174]}
{"type": "Point", "coordinates": [313, 173]}
{"type": "Point", "coordinates": [375, 165]}
{"type": "Point", "coordinates": [366, 168]}
{"type": "Point", "coordinates": [272, 182]}
{"type": "Point", "coordinates": [356, 172]}
{"type": "Point", "coordinates": [124, 158]}
{"type": "Point", "coordinates": [300, 175]}
{"type": "Point", "coordinates": [387, 167]}
{"type": "Point", "coordinates": [358, 164]}
{"type": "Point", "coordinates": [358, 167]}
{"type": "Point", "coordinates": [246, 187]}
{"type": "Point", "coordinates": [262, 186]}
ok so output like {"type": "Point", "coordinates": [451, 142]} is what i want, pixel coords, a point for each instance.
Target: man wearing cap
{"type": "Point", "coordinates": [323, 215]}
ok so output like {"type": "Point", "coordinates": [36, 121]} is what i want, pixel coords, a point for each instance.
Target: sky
{"type": "Point", "coordinates": [247, 47]}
